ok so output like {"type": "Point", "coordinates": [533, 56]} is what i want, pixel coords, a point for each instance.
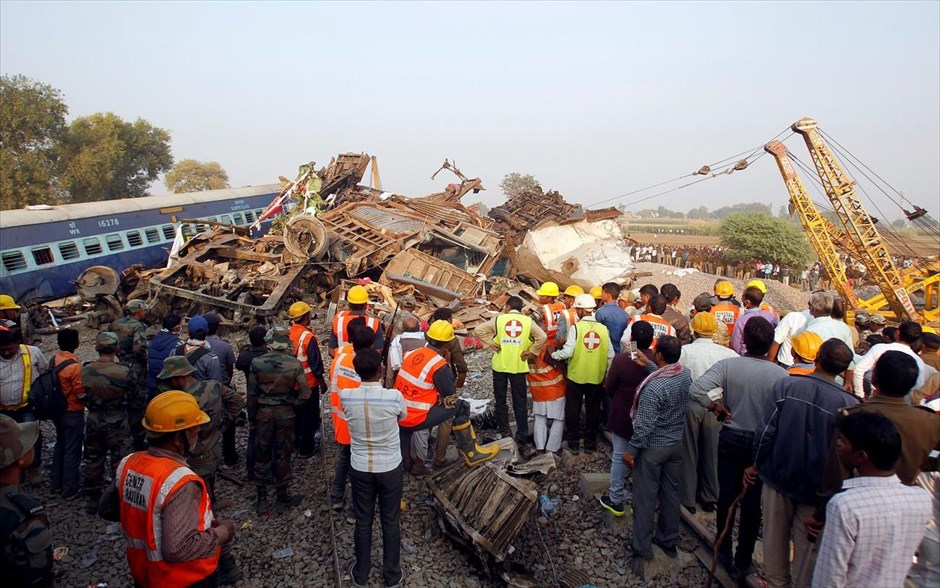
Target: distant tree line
{"type": "Point", "coordinates": [46, 160]}
{"type": "Point", "coordinates": [703, 213]}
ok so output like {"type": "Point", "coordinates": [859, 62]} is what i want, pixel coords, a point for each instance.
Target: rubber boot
{"type": "Point", "coordinates": [285, 500]}
{"type": "Point", "coordinates": [263, 504]}
{"type": "Point", "coordinates": [472, 453]}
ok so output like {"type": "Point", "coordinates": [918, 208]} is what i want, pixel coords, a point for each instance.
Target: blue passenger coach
{"type": "Point", "coordinates": [44, 249]}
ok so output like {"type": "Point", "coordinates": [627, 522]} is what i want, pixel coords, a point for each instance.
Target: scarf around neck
{"type": "Point", "coordinates": [668, 371]}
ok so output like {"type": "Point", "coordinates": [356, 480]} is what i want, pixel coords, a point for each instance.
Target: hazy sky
{"type": "Point", "coordinates": [595, 100]}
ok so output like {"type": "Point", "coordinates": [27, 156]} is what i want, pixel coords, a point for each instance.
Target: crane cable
{"type": "Point", "coordinates": [748, 152]}
{"type": "Point", "coordinates": [896, 242]}
{"type": "Point", "coordinates": [889, 231]}
{"type": "Point", "coordinates": [926, 223]}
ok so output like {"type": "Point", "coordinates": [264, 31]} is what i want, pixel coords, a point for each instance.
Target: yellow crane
{"type": "Point", "coordinates": [859, 226]}
{"type": "Point", "coordinates": [821, 232]}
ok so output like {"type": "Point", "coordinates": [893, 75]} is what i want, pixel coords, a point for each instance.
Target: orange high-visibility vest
{"type": "Point", "coordinates": [571, 319]}
{"type": "Point", "coordinates": [800, 371]}
{"type": "Point", "coordinates": [415, 381]}
{"type": "Point", "coordinates": [341, 325]}
{"type": "Point", "coordinates": [145, 484]}
{"type": "Point", "coordinates": [546, 382]}
{"type": "Point", "coordinates": [727, 313]}
{"type": "Point", "coordinates": [342, 376]}
{"type": "Point", "coordinates": [660, 326]}
{"type": "Point", "coordinates": [27, 379]}
{"type": "Point", "coordinates": [769, 308]}
{"type": "Point", "coordinates": [551, 313]}
{"type": "Point", "coordinates": [300, 338]}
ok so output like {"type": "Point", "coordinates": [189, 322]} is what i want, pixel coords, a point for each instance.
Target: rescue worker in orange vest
{"type": "Point", "coordinates": [724, 306]}
{"type": "Point", "coordinates": [343, 376]}
{"type": "Point", "coordinates": [760, 285]}
{"type": "Point", "coordinates": [514, 339]}
{"type": "Point", "coordinates": [547, 386]}
{"type": "Point", "coordinates": [805, 347]}
{"type": "Point", "coordinates": [358, 299]}
{"type": "Point", "coordinates": [550, 310]}
{"type": "Point", "coordinates": [568, 316]}
{"type": "Point", "coordinates": [307, 350]}
{"type": "Point", "coordinates": [661, 326]}
{"type": "Point", "coordinates": [173, 539]}
{"type": "Point", "coordinates": [429, 388]}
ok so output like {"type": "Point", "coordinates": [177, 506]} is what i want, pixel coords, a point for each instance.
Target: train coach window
{"type": "Point", "coordinates": [249, 216]}
{"type": "Point", "coordinates": [92, 246]}
{"type": "Point", "coordinates": [115, 242]}
{"type": "Point", "coordinates": [239, 218]}
{"type": "Point", "coordinates": [201, 227]}
{"type": "Point", "coordinates": [42, 255]}
{"type": "Point", "coordinates": [134, 239]}
{"type": "Point", "coordinates": [168, 233]}
{"type": "Point", "coordinates": [188, 231]}
{"type": "Point", "coordinates": [13, 260]}
{"type": "Point", "coordinates": [225, 219]}
{"type": "Point", "coordinates": [69, 250]}
{"type": "Point", "coordinates": [153, 235]}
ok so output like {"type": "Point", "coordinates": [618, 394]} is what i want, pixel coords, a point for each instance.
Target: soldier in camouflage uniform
{"type": "Point", "coordinates": [108, 385]}
{"type": "Point", "coordinates": [25, 537]}
{"type": "Point", "coordinates": [220, 402]}
{"type": "Point", "coordinates": [132, 334]}
{"type": "Point", "coordinates": [276, 384]}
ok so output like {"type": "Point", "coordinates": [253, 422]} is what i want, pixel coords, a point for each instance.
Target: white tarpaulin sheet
{"type": "Point", "coordinates": [597, 249]}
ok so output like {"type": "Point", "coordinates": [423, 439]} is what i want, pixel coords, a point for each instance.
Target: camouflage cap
{"type": "Point", "coordinates": [175, 365]}
{"type": "Point", "coordinates": [135, 305]}
{"type": "Point", "coordinates": [278, 338]}
{"type": "Point", "coordinates": [16, 439]}
{"type": "Point", "coordinates": [878, 320]}
{"type": "Point", "coordinates": [107, 339]}
{"type": "Point", "coordinates": [862, 317]}
{"type": "Point", "coordinates": [408, 301]}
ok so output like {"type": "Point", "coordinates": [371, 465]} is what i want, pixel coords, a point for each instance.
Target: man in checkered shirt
{"type": "Point", "coordinates": [874, 525]}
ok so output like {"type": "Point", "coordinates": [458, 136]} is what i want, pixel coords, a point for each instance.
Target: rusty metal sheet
{"type": "Point", "coordinates": [416, 265]}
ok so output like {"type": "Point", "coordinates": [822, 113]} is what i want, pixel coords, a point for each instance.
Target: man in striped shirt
{"type": "Point", "coordinates": [372, 414]}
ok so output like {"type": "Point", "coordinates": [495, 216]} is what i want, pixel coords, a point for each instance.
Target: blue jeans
{"type": "Point", "coordinates": [618, 470]}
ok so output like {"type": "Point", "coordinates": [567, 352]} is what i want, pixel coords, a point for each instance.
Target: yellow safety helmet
{"type": "Point", "coordinates": [597, 292]}
{"type": "Point", "coordinates": [298, 309]}
{"type": "Point", "coordinates": [548, 289]}
{"type": "Point", "coordinates": [759, 284]}
{"type": "Point", "coordinates": [173, 411]}
{"type": "Point", "coordinates": [806, 344]}
{"type": "Point", "coordinates": [573, 290]}
{"type": "Point", "coordinates": [724, 289]}
{"type": "Point", "coordinates": [357, 295]}
{"type": "Point", "coordinates": [7, 302]}
{"type": "Point", "coordinates": [441, 331]}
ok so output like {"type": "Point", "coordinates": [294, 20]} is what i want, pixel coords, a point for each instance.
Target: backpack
{"type": "Point", "coordinates": [45, 393]}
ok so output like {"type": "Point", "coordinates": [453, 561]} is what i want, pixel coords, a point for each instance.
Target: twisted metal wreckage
{"type": "Point", "coordinates": [331, 230]}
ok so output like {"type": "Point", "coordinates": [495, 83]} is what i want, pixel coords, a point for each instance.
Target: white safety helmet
{"type": "Point", "coordinates": [584, 301]}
